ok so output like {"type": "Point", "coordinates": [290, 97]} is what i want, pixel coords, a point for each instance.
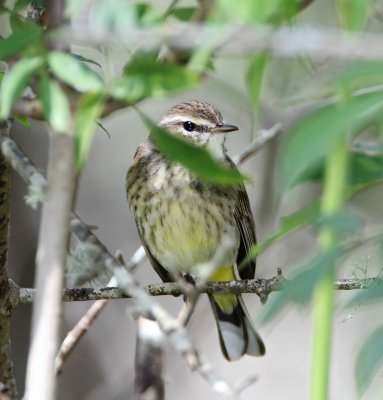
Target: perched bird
{"type": "Point", "coordinates": [181, 219]}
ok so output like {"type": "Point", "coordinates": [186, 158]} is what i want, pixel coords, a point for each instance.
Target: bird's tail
{"type": "Point", "coordinates": [237, 334]}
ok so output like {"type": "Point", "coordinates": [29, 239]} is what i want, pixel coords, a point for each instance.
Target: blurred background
{"type": "Point", "coordinates": [102, 366]}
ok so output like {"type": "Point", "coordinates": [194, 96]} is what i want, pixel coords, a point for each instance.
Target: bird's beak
{"type": "Point", "coordinates": [223, 128]}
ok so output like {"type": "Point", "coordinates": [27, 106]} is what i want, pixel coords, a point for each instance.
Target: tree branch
{"type": "Point", "coordinates": [264, 136]}
{"type": "Point", "coordinates": [7, 378]}
{"type": "Point", "coordinates": [149, 364]}
{"type": "Point", "coordinates": [260, 287]}
{"type": "Point", "coordinates": [74, 336]}
{"type": "Point", "coordinates": [51, 259]}
{"type": "Point", "coordinates": [285, 41]}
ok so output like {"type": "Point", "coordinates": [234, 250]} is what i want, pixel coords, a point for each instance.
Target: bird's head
{"type": "Point", "coordinates": [199, 122]}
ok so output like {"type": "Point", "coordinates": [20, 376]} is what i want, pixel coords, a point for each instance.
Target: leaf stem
{"type": "Point", "coordinates": [332, 200]}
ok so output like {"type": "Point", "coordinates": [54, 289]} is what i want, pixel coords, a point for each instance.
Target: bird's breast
{"type": "Point", "coordinates": [182, 219]}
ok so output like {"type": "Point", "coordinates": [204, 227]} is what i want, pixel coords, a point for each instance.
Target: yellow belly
{"type": "Point", "coordinates": [189, 234]}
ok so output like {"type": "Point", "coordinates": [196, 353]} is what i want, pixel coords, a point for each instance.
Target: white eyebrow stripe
{"type": "Point", "coordinates": [171, 119]}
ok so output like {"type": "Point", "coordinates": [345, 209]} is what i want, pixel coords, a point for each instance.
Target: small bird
{"type": "Point", "coordinates": [181, 219]}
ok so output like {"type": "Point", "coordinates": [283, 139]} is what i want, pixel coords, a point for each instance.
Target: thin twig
{"type": "Point", "coordinates": [74, 336]}
{"type": "Point", "coordinates": [263, 137]}
{"type": "Point", "coordinates": [149, 363]}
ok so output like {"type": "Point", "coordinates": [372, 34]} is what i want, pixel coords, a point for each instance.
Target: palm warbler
{"type": "Point", "coordinates": [181, 219]}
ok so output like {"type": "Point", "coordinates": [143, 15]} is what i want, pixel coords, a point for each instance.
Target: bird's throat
{"type": "Point", "coordinates": [216, 146]}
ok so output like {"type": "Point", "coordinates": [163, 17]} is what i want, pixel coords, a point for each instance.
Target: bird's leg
{"type": "Point", "coordinates": [191, 296]}
{"type": "Point", "coordinates": [190, 286]}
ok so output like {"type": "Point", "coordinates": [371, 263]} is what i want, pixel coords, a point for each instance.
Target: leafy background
{"type": "Point", "coordinates": [105, 357]}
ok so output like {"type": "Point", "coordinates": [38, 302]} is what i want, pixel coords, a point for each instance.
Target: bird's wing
{"type": "Point", "coordinates": [246, 225]}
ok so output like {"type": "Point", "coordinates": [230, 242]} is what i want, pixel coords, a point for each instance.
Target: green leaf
{"type": "Point", "coordinates": [255, 76]}
{"type": "Point", "coordinates": [146, 15]}
{"type": "Point", "coordinates": [16, 22]}
{"type": "Point", "coordinates": [21, 4]}
{"type": "Point", "coordinates": [55, 104]}
{"type": "Point", "coordinates": [363, 169]}
{"type": "Point", "coordinates": [201, 60]}
{"type": "Point", "coordinates": [299, 288]}
{"type": "Point", "coordinates": [371, 294]}
{"type": "Point", "coordinates": [308, 216]}
{"type": "Point", "coordinates": [89, 109]}
{"type": "Point", "coordinates": [146, 77]}
{"type": "Point", "coordinates": [343, 223]}
{"type": "Point", "coordinates": [313, 136]}
{"type": "Point", "coordinates": [369, 360]}
{"type": "Point", "coordinates": [300, 219]}
{"type": "Point", "coordinates": [197, 159]}
{"type": "Point", "coordinates": [100, 125]}
{"type": "Point", "coordinates": [15, 82]}
{"type": "Point", "coordinates": [84, 59]}
{"type": "Point", "coordinates": [19, 41]}
{"type": "Point", "coordinates": [353, 13]}
{"type": "Point", "coordinates": [250, 11]}
{"type": "Point", "coordinates": [75, 73]}
{"type": "Point", "coordinates": [183, 13]}
{"type": "Point", "coordinates": [23, 121]}
{"type": "Point", "coordinates": [359, 74]}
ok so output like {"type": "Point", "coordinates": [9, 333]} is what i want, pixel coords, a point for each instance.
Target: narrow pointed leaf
{"type": "Point", "coordinates": [74, 72]}
{"type": "Point", "coordinates": [255, 76]}
{"type": "Point", "coordinates": [369, 360]}
{"type": "Point", "coordinates": [312, 137]}
{"type": "Point", "coordinates": [87, 60]}
{"type": "Point", "coordinates": [55, 104]}
{"type": "Point", "coordinates": [23, 121]}
{"type": "Point", "coordinates": [88, 111]}
{"type": "Point", "coordinates": [15, 82]}
{"type": "Point", "coordinates": [353, 13]}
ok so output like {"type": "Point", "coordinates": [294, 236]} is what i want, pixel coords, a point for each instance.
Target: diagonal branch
{"type": "Point", "coordinates": [264, 137]}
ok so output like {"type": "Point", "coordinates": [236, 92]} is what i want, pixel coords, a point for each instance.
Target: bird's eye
{"type": "Point", "coordinates": [189, 126]}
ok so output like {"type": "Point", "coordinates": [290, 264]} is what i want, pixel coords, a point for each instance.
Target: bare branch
{"type": "Point", "coordinates": [264, 136]}
{"type": "Point", "coordinates": [7, 377]}
{"type": "Point", "coordinates": [149, 364]}
{"type": "Point", "coordinates": [284, 41]}
{"type": "Point", "coordinates": [76, 334]}
{"type": "Point", "coordinates": [260, 287]}
{"type": "Point", "coordinates": [51, 258]}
